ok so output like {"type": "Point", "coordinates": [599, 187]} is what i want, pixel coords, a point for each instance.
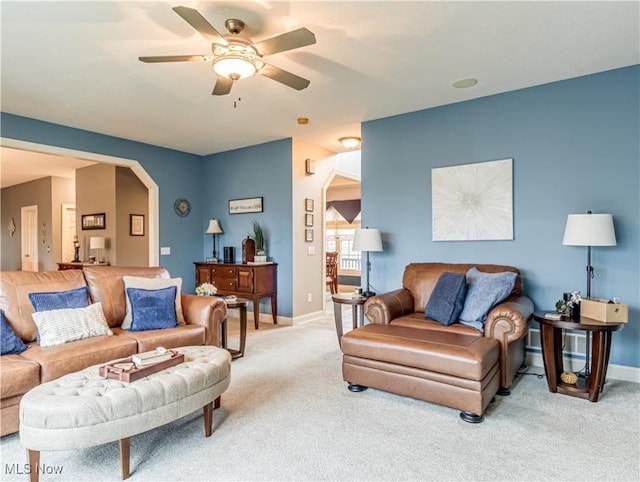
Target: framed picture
{"type": "Point", "coordinates": [94, 221]}
{"type": "Point", "coordinates": [247, 205]}
{"type": "Point", "coordinates": [308, 235]}
{"type": "Point", "coordinates": [308, 205]}
{"type": "Point", "coordinates": [136, 224]}
{"type": "Point", "coordinates": [473, 202]}
{"type": "Point", "coordinates": [308, 219]}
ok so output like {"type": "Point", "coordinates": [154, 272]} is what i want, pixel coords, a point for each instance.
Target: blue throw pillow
{"type": "Point", "coordinates": [58, 300]}
{"type": "Point", "coordinates": [484, 291]}
{"type": "Point", "coordinates": [447, 300]}
{"type": "Point", "coordinates": [11, 344]}
{"type": "Point", "coordinates": [152, 309]}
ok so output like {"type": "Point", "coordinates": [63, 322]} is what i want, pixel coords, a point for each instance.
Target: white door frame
{"type": "Point", "coordinates": [67, 230]}
{"type": "Point", "coordinates": [29, 238]}
{"type": "Point", "coordinates": [154, 196]}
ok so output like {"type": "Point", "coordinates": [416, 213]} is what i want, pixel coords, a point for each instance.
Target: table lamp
{"type": "Point", "coordinates": [214, 228]}
{"type": "Point", "coordinates": [96, 242]}
{"type": "Point", "coordinates": [367, 240]}
{"type": "Point", "coordinates": [589, 230]}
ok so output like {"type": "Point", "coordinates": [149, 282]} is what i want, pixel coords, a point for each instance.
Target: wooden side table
{"type": "Point", "coordinates": [241, 305]}
{"type": "Point", "coordinates": [551, 341]}
{"type": "Point", "coordinates": [340, 299]}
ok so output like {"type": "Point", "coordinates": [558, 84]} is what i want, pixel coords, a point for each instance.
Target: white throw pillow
{"type": "Point", "coordinates": [152, 284]}
{"type": "Point", "coordinates": [56, 327]}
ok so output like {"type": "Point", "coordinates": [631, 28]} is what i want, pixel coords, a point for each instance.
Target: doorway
{"type": "Point", "coordinates": [29, 238]}
{"type": "Point", "coordinates": [136, 168]}
{"type": "Point", "coordinates": [342, 218]}
{"type": "Point", "coordinates": [68, 232]}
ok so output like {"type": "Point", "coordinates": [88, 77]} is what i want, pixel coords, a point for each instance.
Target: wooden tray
{"type": "Point", "coordinates": [114, 373]}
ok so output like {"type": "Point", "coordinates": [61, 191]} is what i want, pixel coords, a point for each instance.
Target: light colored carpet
{"type": "Point", "coordinates": [289, 416]}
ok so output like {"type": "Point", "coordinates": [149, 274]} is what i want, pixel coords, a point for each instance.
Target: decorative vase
{"type": "Point", "coordinates": [248, 250]}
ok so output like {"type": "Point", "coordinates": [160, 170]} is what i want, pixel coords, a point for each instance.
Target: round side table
{"type": "Point", "coordinates": [357, 304]}
{"type": "Point", "coordinates": [551, 341]}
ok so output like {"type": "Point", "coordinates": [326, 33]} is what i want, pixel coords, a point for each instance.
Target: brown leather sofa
{"type": "Point", "coordinates": [20, 373]}
{"type": "Point", "coordinates": [402, 351]}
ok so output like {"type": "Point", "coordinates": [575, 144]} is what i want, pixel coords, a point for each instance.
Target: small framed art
{"type": "Point", "coordinates": [308, 220]}
{"type": "Point", "coordinates": [247, 205]}
{"type": "Point", "coordinates": [94, 221]}
{"type": "Point", "coordinates": [136, 225]}
{"type": "Point", "coordinates": [308, 205]}
{"type": "Point", "coordinates": [308, 235]}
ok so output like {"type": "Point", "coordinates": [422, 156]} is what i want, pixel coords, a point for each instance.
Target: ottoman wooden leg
{"type": "Point", "coordinates": [125, 451]}
{"type": "Point", "coordinates": [34, 460]}
{"type": "Point", "coordinates": [208, 419]}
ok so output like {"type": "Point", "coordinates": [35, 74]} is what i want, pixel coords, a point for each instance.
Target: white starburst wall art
{"type": "Point", "coordinates": [473, 202]}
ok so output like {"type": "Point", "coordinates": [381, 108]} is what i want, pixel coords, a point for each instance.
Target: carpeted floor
{"type": "Point", "coordinates": [288, 416]}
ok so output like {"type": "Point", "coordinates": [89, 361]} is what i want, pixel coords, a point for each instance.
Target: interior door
{"type": "Point", "coordinates": [29, 238]}
{"type": "Point", "coordinates": [68, 231]}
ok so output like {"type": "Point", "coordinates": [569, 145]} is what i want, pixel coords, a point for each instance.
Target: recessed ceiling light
{"type": "Point", "coordinates": [303, 121]}
{"type": "Point", "coordinates": [465, 83]}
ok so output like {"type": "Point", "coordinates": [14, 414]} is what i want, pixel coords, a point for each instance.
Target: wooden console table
{"type": "Point", "coordinates": [252, 281]}
{"type": "Point", "coordinates": [78, 265]}
{"type": "Point", "coordinates": [552, 341]}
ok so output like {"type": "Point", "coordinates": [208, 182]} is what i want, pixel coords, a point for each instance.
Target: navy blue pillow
{"type": "Point", "coordinates": [11, 344]}
{"type": "Point", "coordinates": [58, 300]}
{"type": "Point", "coordinates": [447, 300]}
{"type": "Point", "coordinates": [152, 309]}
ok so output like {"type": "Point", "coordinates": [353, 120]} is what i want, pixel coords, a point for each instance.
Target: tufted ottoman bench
{"type": "Point", "coordinates": [83, 409]}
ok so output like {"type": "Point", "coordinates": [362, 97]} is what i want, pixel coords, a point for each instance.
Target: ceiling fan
{"type": "Point", "coordinates": [234, 56]}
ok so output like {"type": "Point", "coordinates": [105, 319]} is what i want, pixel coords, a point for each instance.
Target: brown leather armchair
{"type": "Point", "coordinates": [507, 322]}
{"type": "Point", "coordinates": [404, 352]}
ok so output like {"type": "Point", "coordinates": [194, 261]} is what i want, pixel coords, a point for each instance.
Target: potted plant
{"type": "Point", "coordinates": [258, 237]}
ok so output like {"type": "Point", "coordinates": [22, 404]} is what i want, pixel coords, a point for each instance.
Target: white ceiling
{"type": "Point", "coordinates": [76, 63]}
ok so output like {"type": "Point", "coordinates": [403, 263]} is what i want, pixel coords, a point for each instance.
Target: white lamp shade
{"type": "Point", "coordinates": [96, 243]}
{"type": "Point", "coordinates": [367, 240]}
{"type": "Point", "coordinates": [589, 230]}
{"type": "Point", "coordinates": [214, 227]}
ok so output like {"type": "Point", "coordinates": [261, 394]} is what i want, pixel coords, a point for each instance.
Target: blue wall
{"type": "Point", "coordinates": [575, 147]}
{"type": "Point", "coordinates": [264, 170]}
{"type": "Point", "coordinates": [177, 174]}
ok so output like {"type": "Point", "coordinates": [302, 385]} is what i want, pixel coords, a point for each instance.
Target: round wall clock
{"type": "Point", "coordinates": [182, 207]}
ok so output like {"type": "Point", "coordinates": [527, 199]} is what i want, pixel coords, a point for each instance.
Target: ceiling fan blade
{"type": "Point", "coordinates": [197, 21]}
{"type": "Point", "coordinates": [284, 77]}
{"type": "Point", "coordinates": [223, 86]}
{"type": "Point", "coordinates": [173, 58]}
{"type": "Point", "coordinates": [286, 41]}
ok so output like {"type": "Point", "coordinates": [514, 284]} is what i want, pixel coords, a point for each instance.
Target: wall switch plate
{"type": "Point", "coordinates": [165, 250]}
{"type": "Point", "coordinates": [311, 250]}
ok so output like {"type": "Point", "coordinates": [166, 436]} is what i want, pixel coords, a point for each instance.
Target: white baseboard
{"type": "Point", "coordinates": [264, 317]}
{"type": "Point", "coordinates": [615, 372]}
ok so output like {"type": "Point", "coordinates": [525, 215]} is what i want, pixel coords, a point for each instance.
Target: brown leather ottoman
{"type": "Point", "coordinates": [452, 369]}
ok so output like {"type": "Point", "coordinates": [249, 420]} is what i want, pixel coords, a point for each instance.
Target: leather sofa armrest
{"type": "Point", "coordinates": [207, 311]}
{"type": "Point", "coordinates": [383, 308]}
{"type": "Point", "coordinates": [510, 320]}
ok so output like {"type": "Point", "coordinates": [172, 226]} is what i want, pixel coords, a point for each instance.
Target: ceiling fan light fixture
{"type": "Point", "coordinates": [350, 142]}
{"type": "Point", "coordinates": [235, 60]}
{"type": "Point", "coordinates": [234, 67]}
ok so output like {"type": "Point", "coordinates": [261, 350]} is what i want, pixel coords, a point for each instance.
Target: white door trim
{"type": "Point", "coordinates": [29, 238]}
